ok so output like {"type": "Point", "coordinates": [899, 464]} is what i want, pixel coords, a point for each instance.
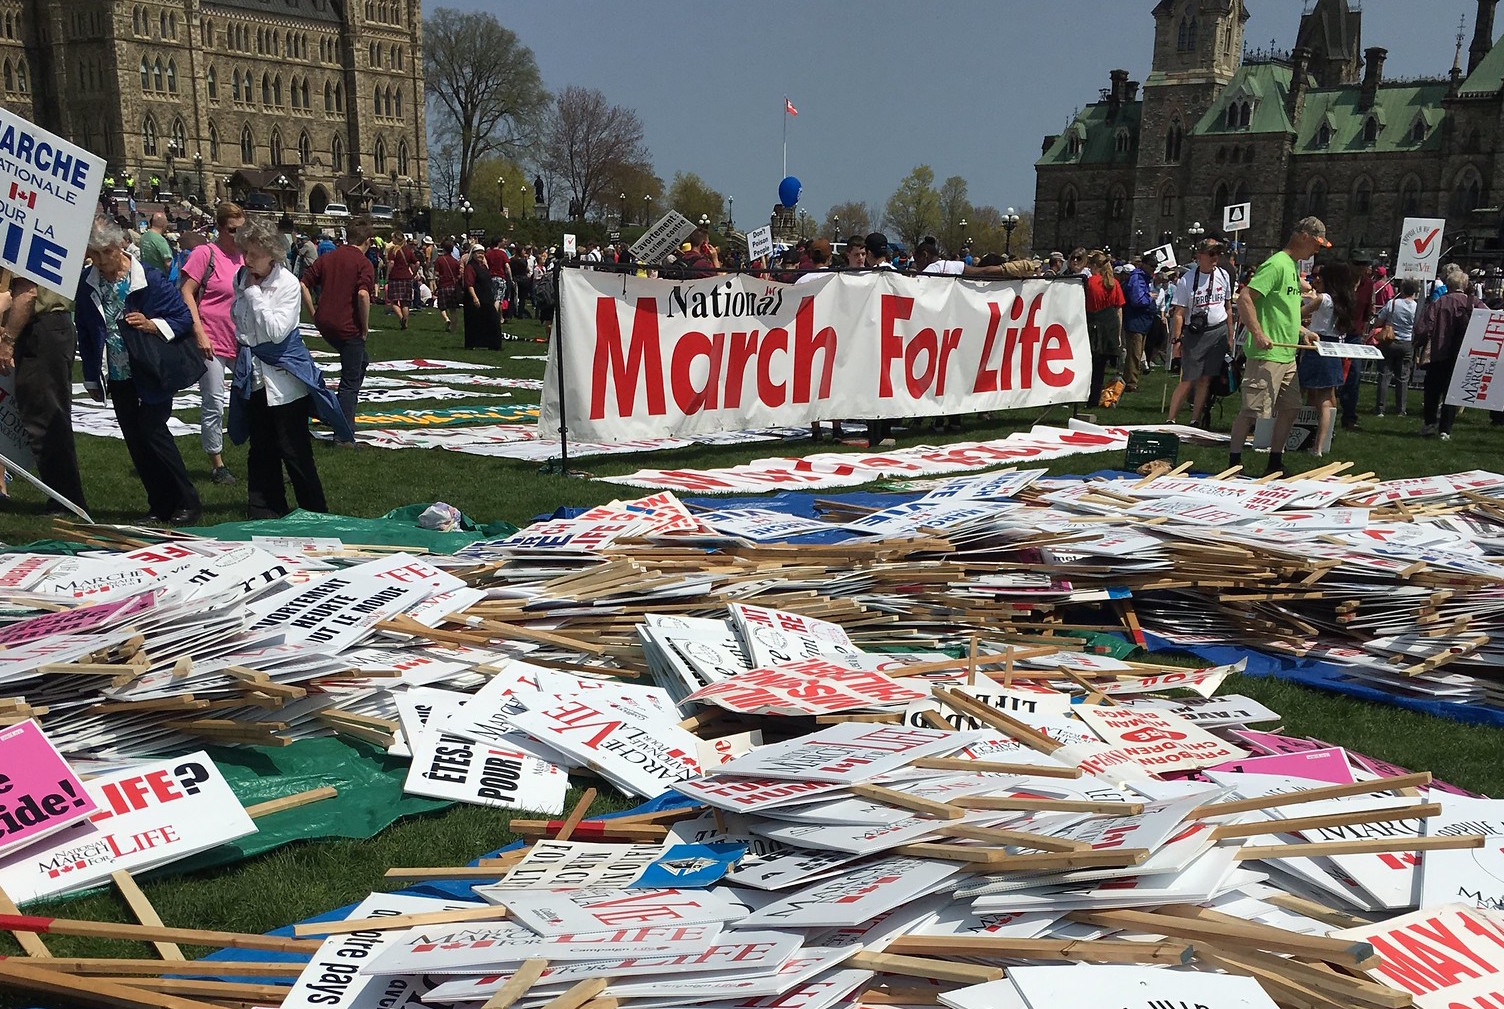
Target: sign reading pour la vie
{"type": "Point", "coordinates": [47, 192]}
{"type": "Point", "coordinates": [733, 353]}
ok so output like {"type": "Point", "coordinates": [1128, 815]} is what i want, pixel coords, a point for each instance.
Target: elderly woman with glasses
{"type": "Point", "coordinates": [122, 306]}
{"type": "Point", "coordinates": [276, 383]}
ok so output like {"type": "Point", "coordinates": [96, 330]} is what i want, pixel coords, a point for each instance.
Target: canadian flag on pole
{"type": "Point", "coordinates": [788, 106]}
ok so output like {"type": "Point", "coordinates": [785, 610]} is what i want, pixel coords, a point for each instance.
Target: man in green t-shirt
{"type": "Point", "coordinates": [153, 244]}
{"type": "Point", "coordinates": [1269, 307]}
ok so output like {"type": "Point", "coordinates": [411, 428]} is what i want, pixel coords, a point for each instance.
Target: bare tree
{"type": "Point", "coordinates": [586, 140]}
{"type": "Point", "coordinates": [852, 218]}
{"type": "Point", "coordinates": [443, 174]}
{"type": "Point", "coordinates": [484, 84]}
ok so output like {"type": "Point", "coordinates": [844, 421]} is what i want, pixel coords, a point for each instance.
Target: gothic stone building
{"type": "Point", "coordinates": [308, 101]}
{"type": "Point", "coordinates": [1317, 130]}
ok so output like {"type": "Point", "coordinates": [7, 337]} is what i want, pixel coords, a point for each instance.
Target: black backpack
{"type": "Point", "coordinates": [543, 288]}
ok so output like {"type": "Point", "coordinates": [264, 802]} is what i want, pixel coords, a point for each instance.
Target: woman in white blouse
{"type": "Point", "coordinates": [268, 300]}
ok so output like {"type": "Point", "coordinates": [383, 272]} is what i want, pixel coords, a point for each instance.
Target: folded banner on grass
{"type": "Point", "coordinates": [651, 358]}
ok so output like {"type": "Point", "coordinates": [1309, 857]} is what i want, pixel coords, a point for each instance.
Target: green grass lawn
{"type": "Point", "coordinates": [304, 879]}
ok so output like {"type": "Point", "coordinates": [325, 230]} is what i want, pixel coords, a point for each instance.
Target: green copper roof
{"type": "Point", "coordinates": [1396, 110]}
{"type": "Point", "coordinates": [1264, 86]}
{"type": "Point", "coordinates": [1489, 77]}
{"type": "Point", "coordinates": [1099, 145]}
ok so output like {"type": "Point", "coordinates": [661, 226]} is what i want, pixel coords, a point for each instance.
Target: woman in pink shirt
{"type": "Point", "coordinates": [208, 285]}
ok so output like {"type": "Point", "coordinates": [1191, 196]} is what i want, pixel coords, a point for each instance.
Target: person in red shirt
{"type": "Point", "coordinates": [401, 269]}
{"type": "Point", "coordinates": [446, 283]}
{"type": "Point", "coordinates": [1104, 319]}
{"type": "Point", "coordinates": [499, 264]}
{"type": "Point", "coordinates": [345, 282]}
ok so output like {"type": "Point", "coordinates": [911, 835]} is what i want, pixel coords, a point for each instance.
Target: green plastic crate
{"type": "Point", "coordinates": [1147, 446]}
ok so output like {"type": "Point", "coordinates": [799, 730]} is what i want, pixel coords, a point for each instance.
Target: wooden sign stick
{"type": "Point", "coordinates": [91, 991]}
{"type": "Point", "coordinates": [578, 994]}
{"type": "Point", "coordinates": [444, 872]}
{"type": "Point", "coordinates": [1237, 935]}
{"type": "Point", "coordinates": [123, 966]}
{"type": "Point", "coordinates": [1285, 990]}
{"type": "Point", "coordinates": [153, 933]}
{"type": "Point", "coordinates": [265, 994]}
{"type": "Point", "coordinates": [293, 801]}
{"type": "Point", "coordinates": [925, 967]}
{"type": "Point", "coordinates": [1295, 824]}
{"type": "Point", "coordinates": [1321, 977]}
{"type": "Point", "coordinates": [1372, 845]}
{"type": "Point", "coordinates": [144, 912]}
{"type": "Point", "coordinates": [525, 977]}
{"type": "Point", "coordinates": [1419, 778]}
{"type": "Point", "coordinates": [491, 912]}
{"type": "Point", "coordinates": [575, 816]}
{"type": "Point", "coordinates": [994, 767]}
{"type": "Point", "coordinates": [988, 715]}
{"type": "Point", "coordinates": [1021, 838]}
{"type": "Point", "coordinates": [903, 800]}
{"type": "Point", "coordinates": [30, 942]}
{"type": "Point", "coordinates": [1312, 909]}
{"type": "Point", "coordinates": [1082, 950]}
{"type": "Point", "coordinates": [1008, 802]}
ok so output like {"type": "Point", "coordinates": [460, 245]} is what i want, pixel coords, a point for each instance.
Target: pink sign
{"type": "Point", "coordinates": [39, 793]}
{"type": "Point", "coordinates": [81, 620]}
{"type": "Point", "coordinates": [1328, 765]}
{"type": "Point", "coordinates": [1272, 743]}
{"type": "Point", "coordinates": [1384, 769]}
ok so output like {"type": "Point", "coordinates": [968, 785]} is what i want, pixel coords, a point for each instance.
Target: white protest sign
{"type": "Point", "coordinates": [1361, 351]}
{"type": "Point", "coordinates": [569, 246]}
{"type": "Point", "coordinates": [451, 949]}
{"type": "Point", "coordinates": [602, 909]}
{"type": "Point", "coordinates": [1159, 741]}
{"type": "Point", "coordinates": [335, 976]}
{"type": "Point", "coordinates": [1468, 875]}
{"type": "Point", "coordinates": [856, 894]}
{"type": "Point", "coordinates": [1477, 379]}
{"type": "Point", "coordinates": [760, 242]}
{"type": "Point", "coordinates": [50, 189]}
{"type": "Point", "coordinates": [750, 794]}
{"type": "Point", "coordinates": [1121, 987]}
{"type": "Point", "coordinates": [1449, 956]}
{"type": "Point", "coordinates": [846, 753]}
{"type": "Point", "coordinates": [448, 767]}
{"type": "Point", "coordinates": [149, 814]}
{"type": "Point", "coordinates": [660, 358]}
{"type": "Point", "coordinates": [561, 864]}
{"type": "Point", "coordinates": [670, 229]}
{"type": "Point", "coordinates": [1163, 256]}
{"type": "Point", "coordinates": [641, 755]}
{"type": "Point", "coordinates": [1237, 216]}
{"type": "Point", "coordinates": [1420, 248]}
{"type": "Point", "coordinates": [808, 687]}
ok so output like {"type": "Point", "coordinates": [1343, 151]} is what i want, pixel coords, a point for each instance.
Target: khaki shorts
{"type": "Point", "coordinates": [1270, 387]}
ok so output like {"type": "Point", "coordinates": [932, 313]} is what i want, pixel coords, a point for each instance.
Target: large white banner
{"type": "Point", "coordinates": [48, 190]}
{"type": "Point", "coordinates": [651, 358]}
{"type": "Point", "coordinates": [1477, 379]}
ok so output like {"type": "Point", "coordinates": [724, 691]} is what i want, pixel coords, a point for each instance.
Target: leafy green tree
{"type": "Point", "coordinates": [913, 210]}
{"type": "Point", "coordinates": [955, 207]}
{"type": "Point", "coordinates": [692, 196]}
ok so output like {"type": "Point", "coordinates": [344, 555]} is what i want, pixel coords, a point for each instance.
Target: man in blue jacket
{"type": "Point", "coordinates": [117, 293]}
{"type": "Point", "coordinates": [1138, 318]}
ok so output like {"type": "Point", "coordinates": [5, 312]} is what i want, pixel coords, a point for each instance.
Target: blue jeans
{"type": "Point", "coordinates": [352, 373]}
{"type": "Point", "coordinates": [1347, 395]}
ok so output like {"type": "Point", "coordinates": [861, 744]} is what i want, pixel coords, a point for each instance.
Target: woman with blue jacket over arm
{"type": "Point", "coordinates": [276, 384]}
{"type": "Point", "coordinates": [122, 302]}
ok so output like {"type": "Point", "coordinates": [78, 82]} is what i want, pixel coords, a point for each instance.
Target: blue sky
{"type": "Point", "coordinates": [881, 86]}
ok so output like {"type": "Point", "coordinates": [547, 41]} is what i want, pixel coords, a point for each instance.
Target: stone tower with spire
{"type": "Point", "coordinates": [1333, 34]}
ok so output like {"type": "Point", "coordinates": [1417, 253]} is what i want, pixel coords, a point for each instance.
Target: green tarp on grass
{"type": "Point", "coordinates": [396, 528]}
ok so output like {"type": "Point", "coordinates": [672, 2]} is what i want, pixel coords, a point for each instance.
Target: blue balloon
{"type": "Point", "coordinates": [788, 191]}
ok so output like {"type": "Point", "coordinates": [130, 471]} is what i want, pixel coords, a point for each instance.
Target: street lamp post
{"type": "Point", "coordinates": [705, 221]}
{"type": "Point", "coordinates": [501, 197]}
{"type": "Point", "coordinates": [962, 224]}
{"type": "Point", "coordinates": [836, 220]}
{"type": "Point", "coordinates": [1195, 232]}
{"type": "Point", "coordinates": [1010, 221]}
{"type": "Point", "coordinates": [647, 208]}
{"type": "Point", "coordinates": [730, 217]}
{"type": "Point", "coordinates": [198, 165]}
{"type": "Point", "coordinates": [623, 223]}
{"type": "Point", "coordinates": [466, 211]}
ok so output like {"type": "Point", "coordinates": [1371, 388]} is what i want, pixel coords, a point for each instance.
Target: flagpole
{"type": "Point", "coordinates": [785, 138]}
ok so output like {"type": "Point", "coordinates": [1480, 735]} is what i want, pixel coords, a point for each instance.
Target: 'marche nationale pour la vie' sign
{"type": "Point", "coordinates": [48, 193]}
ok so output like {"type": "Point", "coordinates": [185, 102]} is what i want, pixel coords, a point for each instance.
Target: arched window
{"type": "Point", "coordinates": [399, 106]}
{"type": "Point", "coordinates": [1068, 204]}
{"type": "Point", "coordinates": [1418, 132]}
{"type": "Point", "coordinates": [179, 137]}
{"type": "Point", "coordinates": [372, 58]}
{"type": "Point", "coordinates": [396, 14]}
{"type": "Point", "coordinates": [1173, 140]}
{"type": "Point", "coordinates": [1219, 201]}
{"type": "Point", "coordinates": [292, 93]}
{"type": "Point", "coordinates": [402, 158]}
{"type": "Point", "coordinates": [1232, 116]}
{"type": "Point", "coordinates": [1121, 140]}
{"type": "Point", "coordinates": [1073, 145]}
{"type": "Point", "coordinates": [1245, 115]}
{"type": "Point", "coordinates": [235, 84]}
{"type": "Point", "coordinates": [370, 11]}
{"type": "Point", "coordinates": [213, 143]}
{"type": "Point", "coordinates": [172, 76]}
{"type": "Point", "coordinates": [250, 91]}
{"type": "Point", "coordinates": [328, 97]}
{"type": "Point", "coordinates": [1324, 135]}
{"type": "Point", "coordinates": [213, 84]}
{"type": "Point", "coordinates": [292, 44]}
{"type": "Point", "coordinates": [339, 98]}
{"type": "Point", "coordinates": [337, 151]}
{"type": "Point", "coordinates": [10, 77]}
{"type": "Point", "coordinates": [275, 148]}
{"type": "Point", "coordinates": [397, 52]}
{"type": "Point", "coordinates": [1117, 204]}
{"type": "Point", "coordinates": [1362, 196]}
{"type": "Point", "coordinates": [1185, 39]}
{"type": "Point", "coordinates": [162, 24]}
{"type": "Point", "coordinates": [305, 149]}
{"type": "Point", "coordinates": [1167, 202]}
{"type": "Point", "coordinates": [149, 138]}
{"type": "Point", "coordinates": [1241, 194]}
{"type": "Point", "coordinates": [156, 75]}
{"type": "Point", "coordinates": [206, 32]}
{"type": "Point", "coordinates": [305, 94]}
{"type": "Point", "coordinates": [21, 83]}
{"type": "Point", "coordinates": [145, 74]}
{"type": "Point", "coordinates": [1316, 197]}
{"type": "Point", "coordinates": [376, 101]}
{"type": "Point", "coordinates": [378, 157]}
{"type": "Point", "coordinates": [1410, 197]}
{"type": "Point", "coordinates": [1370, 130]}
{"type": "Point", "coordinates": [266, 89]}
{"type": "Point", "coordinates": [1468, 195]}
{"type": "Point", "coordinates": [135, 20]}
{"type": "Point", "coordinates": [247, 146]}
